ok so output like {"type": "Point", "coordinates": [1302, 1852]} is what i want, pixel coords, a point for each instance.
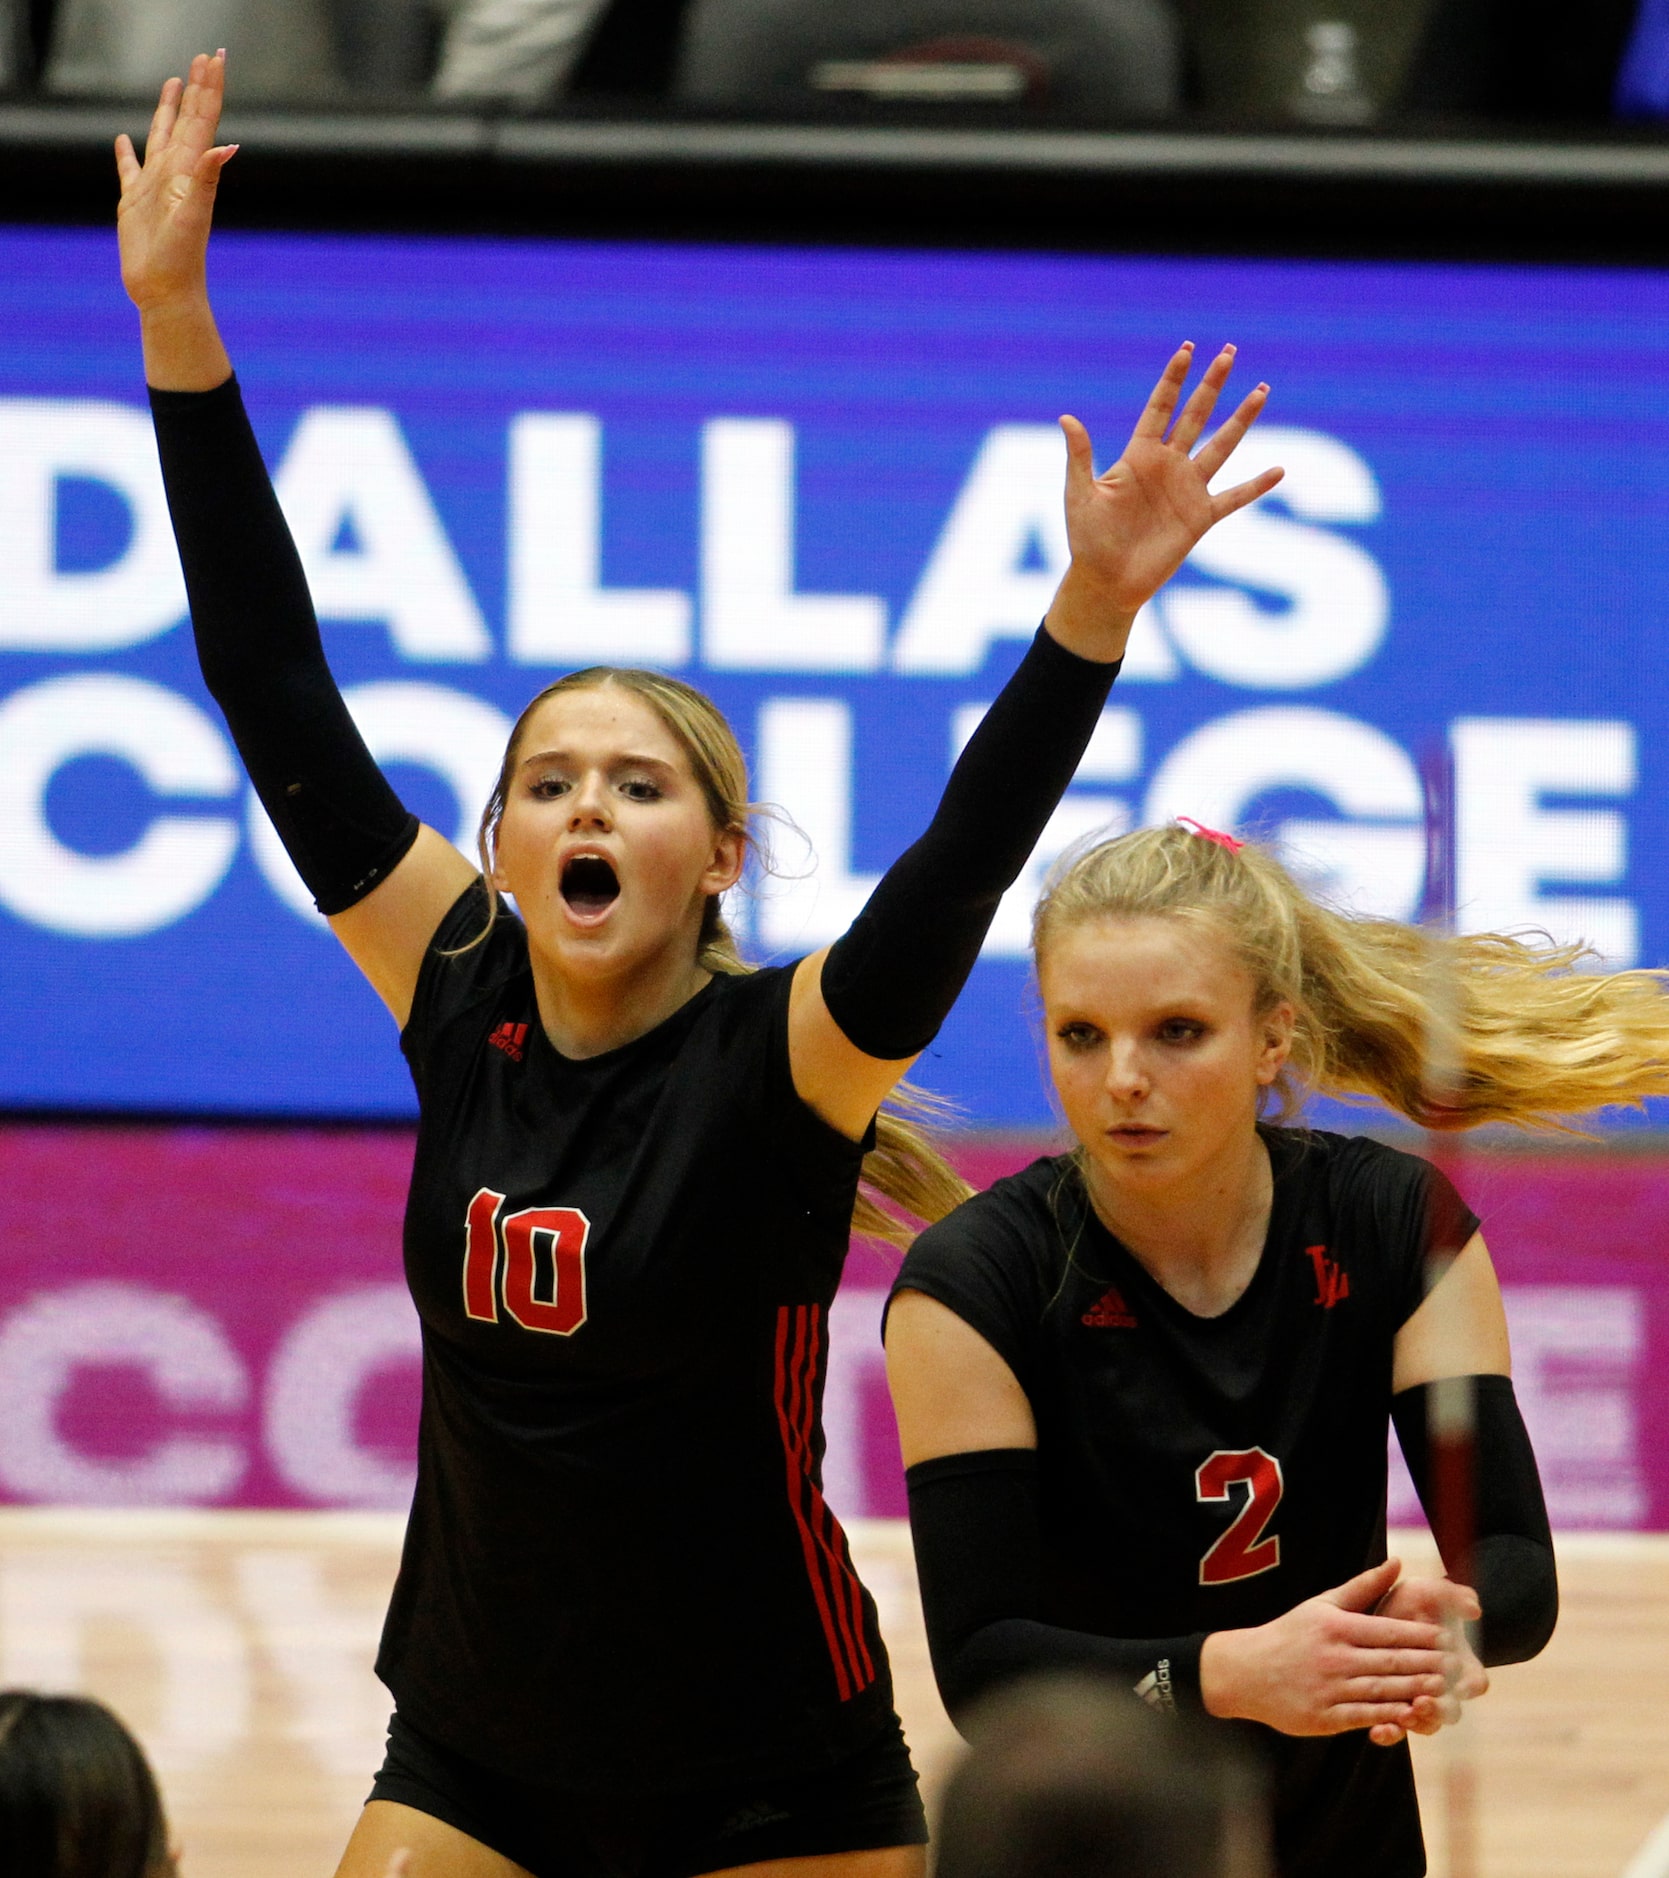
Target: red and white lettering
{"type": "Point", "coordinates": [1242, 1551]}
{"type": "Point", "coordinates": [481, 1257]}
{"type": "Point", "coordinates": [564, 1231]}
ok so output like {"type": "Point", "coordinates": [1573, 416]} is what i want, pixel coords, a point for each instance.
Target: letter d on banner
{"type": "Point", "coordinates": [134, 597]}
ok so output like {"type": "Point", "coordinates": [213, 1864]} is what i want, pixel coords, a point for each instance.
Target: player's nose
{"type": "Point", "coordinates": [1127, 1075]}
{"type": "Point", "coordinates": [588, 806]}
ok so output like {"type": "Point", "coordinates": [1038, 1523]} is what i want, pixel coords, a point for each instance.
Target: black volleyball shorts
{"type": "Point", "coordinates": [861, 1804]}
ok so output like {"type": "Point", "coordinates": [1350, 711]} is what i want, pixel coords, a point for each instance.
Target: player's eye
{"type": "Point", "coordinates": [1181, 1030]}
{"type": "Point", "coordinates": [548, 788]}
{"type": "Point", "coordinates": [641, 789]}
{"type": "Point", "coordinates": [1078, 1036]}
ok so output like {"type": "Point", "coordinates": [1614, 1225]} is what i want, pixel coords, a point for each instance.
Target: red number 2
{"type": "Point", "coordinates": [561, 1230]}
{"type": "Point", "coordinates": [1242, 1551]}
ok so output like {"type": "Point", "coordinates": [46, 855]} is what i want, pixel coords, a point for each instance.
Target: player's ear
{"type": "Point", "coordinates": [729, 856]}
{"type": "Point", "coordinates": [1277, 1026]}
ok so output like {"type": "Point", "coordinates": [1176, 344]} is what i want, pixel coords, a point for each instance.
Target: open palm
{"type": "Point", "coordinates": [1133, 526]}
{"type": "Point", "coordinates": [167, 201]}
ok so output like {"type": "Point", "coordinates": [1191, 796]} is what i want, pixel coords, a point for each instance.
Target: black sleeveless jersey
{"type": "Point", "coordinates": [620, 1572]}
{"type": "Point", "coordinates": [1203, 1474]}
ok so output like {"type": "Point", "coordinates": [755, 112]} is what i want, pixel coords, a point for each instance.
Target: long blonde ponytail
{"type": "Point", "coordinates": [1450, 1030]}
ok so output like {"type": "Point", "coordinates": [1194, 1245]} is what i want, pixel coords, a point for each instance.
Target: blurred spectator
{"type": "Point", "coordinates": [280, 49]}
{"type": "Point", "coordinates": [1533, 61]}
{"type": "Point", "coordinates": [77, 1796]}
{"type": "Point", "coordinates": [520, 51]}
{"type": "Point", "coordinates": [386, 47]}
{"type": "Point", "coordinates": [1093, 60]}
{"type": "Point", "coordinates": [1068, 1777]}
{"type": "Point", "coordinates": [1340, 62]}
{"type": "Point", "coordinates": [632, 50]}
{"type": "Point", "coordinates": [1643, 80]}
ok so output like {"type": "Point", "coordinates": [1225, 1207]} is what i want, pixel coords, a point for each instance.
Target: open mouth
{"type": "Point", "coordinates": [589, 884]}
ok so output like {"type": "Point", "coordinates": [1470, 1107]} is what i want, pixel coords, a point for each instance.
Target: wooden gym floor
{"type": "Point", "coordinates": [239, 1646]}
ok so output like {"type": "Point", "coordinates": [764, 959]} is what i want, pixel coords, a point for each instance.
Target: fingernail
{"type": "Point", "coordinates": [1263, 388]}
{"type": "Point", "coordinates": [1187, 345]}
{"type": "Point", "coordinates": [1231, 350]}
{"type": "Point", "coordinates": [221, 53]}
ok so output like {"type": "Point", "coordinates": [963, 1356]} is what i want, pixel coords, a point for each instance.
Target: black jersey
{"type": "Point", "coordinates": [1203, 1474]}
{"type": "Point", "coordinates": [620, 1572]}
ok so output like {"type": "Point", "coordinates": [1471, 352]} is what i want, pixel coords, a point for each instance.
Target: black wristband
{"type": "Point", "coordinates": [976, 1526]}
{"type": "Point", "coordinates": [262, 659]}
{"type": "Point", "coordinates": [890, 982]}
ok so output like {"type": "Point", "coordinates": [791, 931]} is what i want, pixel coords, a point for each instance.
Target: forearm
{"type": "Point", "coordinates": [1163, 1671]}
{"type": "Point", "coordinates": [1511, 1565]}
{"type": "Point", "coordinates": [974, 1522]}
{"type": "Point", "coordinates": [259, 647]}
{"type": "Point", "coordinates": [890, 981]}
{"type": "Point", "coordinates": [183, 347]}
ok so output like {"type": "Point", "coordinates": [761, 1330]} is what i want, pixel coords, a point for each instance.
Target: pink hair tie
{"type": "Point", "coordinates": [1211, 834]}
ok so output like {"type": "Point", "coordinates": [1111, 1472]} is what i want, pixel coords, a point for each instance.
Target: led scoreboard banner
{"type": "Point", "coordinates": [826, 488]}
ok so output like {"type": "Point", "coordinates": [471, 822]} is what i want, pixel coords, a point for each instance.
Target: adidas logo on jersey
{"type": "Point", "coordinates": [1110, 1312]}
{"type": "Point", "coordinates": [510, 1038]}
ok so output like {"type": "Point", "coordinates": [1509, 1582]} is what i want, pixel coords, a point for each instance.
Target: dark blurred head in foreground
{"type": "Point", "coordinates": [1068, 1778]}
{"type": "Point", "coordinates": [77, 1796]}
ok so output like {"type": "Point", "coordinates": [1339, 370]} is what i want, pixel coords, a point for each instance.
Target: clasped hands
{"type": "Point", "coordinates": [1383, 1652]}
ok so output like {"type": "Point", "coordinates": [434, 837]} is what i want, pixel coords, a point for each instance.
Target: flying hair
{"type": "Point", "coordinates": [905, 1178]}
{"type": "Point", "coordinates": [1529, 1038]}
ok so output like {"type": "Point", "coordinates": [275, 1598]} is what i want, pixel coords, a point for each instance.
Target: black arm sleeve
{"type": "Point", "coordinates": [975, 1525]}
{"type": "Point", "coordinates": [258, 644]}
{"type": "Point", "coordinates": [890, 981]}
{"type": "Point", "coordinates": [1512, 1567]}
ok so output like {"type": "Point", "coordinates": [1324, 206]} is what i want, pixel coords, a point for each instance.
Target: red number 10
{"type": "Point", "coordinates": [563, 1229]}
{"type": "Point", "coordinates": [1242, 1551]}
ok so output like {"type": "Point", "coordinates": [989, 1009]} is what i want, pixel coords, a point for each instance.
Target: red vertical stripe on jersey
{"type": "Point", "coordinates": [834, 1584]}
{"type": "Point", "coordinates": [846, 1586]}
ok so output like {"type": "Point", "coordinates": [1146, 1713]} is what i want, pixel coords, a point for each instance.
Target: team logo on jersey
{"type": "Point", "coordinates": [1110, 1312]}
{"type": "Point", "coordinates": [1332, 1282]}
{"type": "Point", "coordinates": [510, 1038]}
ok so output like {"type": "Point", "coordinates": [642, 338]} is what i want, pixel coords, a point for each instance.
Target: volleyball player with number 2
{"type": "Point", "coordinates": [1145, 1387]}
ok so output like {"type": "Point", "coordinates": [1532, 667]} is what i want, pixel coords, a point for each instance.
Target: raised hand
{"type": "Point", "coordinates": [1332, 1664]}
{"type": "Point", "coordinates": [163, 223]}
{"type": "Point", "coordinates": [1133, 526]}
{"type": "Point", "coordinates": [1451, 1606]}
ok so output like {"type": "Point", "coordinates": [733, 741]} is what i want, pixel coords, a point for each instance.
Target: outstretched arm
{"type": "Point", "coordinates": [385, 881]}
{"type": "Point", "coordinates": [1329, 1665]}
{"type": "Point", "coordinates": [863, 1009]}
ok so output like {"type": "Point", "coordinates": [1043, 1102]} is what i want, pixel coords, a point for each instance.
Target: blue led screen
{"type": "Point", "coordinates": [825, 486]}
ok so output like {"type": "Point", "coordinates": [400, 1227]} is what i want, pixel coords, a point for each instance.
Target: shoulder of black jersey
{"type": "Point", "coordinates": [476, 950]}
{"type": "Point", "coordinates": [758, 985]}
{"type": "Point", "coordinates": [1379, 1186]}
{"type": "Point", "coordinates": [1017, 1210]}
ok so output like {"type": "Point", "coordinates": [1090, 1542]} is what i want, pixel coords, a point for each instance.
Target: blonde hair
{"type": "Point", "coordinates": [1449, 1029]}
{"type": "Point", "coordinates": [905, 1178]}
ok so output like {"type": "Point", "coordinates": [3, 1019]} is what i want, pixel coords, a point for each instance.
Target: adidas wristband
{"type": "Point", "coordinates": [976, 1526]}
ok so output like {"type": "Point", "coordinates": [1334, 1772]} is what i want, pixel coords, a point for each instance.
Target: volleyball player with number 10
{"type": "Point", "coordinates": [627, 1637]}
